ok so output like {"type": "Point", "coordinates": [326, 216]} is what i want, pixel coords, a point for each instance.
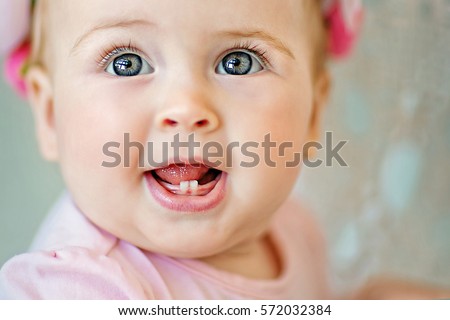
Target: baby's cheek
{"type": "Point", "coordinates": [285, 118]}
{"type": "Point", "coordinates": [278, 125]}
{"type": "Point", "coordinates": [91, 147]}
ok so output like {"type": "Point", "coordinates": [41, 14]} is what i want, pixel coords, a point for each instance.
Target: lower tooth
{"type": "Point", "coordinates": [193, 185]}
{"type": "Point", "coordinates": [184, 186]}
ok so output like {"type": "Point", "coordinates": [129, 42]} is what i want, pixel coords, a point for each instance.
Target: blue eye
{"type": "Point", "coordinates": [129, 65]}
{"type": "Point", "coordinates": [239, 63]}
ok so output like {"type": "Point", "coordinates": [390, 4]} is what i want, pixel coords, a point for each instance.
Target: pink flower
{"type": "Point", "coordinates": [15, 66]}
{"type": "Point", "coordinates": [344, 18]}
{"type": "Point", "coordinates": [14, 28]}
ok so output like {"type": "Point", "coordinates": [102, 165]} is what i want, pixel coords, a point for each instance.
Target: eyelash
{"type": "Point", "coordinates": [107, 54]}
{"type": "Point", "coordinates": [255, 49]}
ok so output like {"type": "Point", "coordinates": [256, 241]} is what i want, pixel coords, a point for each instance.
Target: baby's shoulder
{"type": "Point", "coordinates": [66, 226]}
{"type": "Point", "coordinates": [70, 258]}
{"type": "Point", "coordinates": [69, 273]}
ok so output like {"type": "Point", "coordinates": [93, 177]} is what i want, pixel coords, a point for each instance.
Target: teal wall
{"type": "Point", "coordinates": [28, 184]}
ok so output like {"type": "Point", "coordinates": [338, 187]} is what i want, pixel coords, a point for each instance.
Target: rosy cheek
{"type": "Point", "coordinates": [285, 115]}
{"type": "Point", "coordinates": [92, 119]}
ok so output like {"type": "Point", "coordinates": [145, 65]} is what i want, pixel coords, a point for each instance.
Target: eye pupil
{"type": "Point", "coordinates": [233, 63]}
{"type": "Point", "coordinates": [237, 63]}
{"type": "Point", "coordinates": [123, 64]}
{"type": "Point", "coordinates": [128, 65]}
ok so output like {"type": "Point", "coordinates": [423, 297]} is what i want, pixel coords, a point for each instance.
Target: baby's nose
{"type": "Point", "coordinates": [190, 121]}
{"type": "Point", "coordinates": [189, 115]}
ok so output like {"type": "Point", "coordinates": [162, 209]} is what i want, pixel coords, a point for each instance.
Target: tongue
{"type": "Point", "coordinates": [175, 174]}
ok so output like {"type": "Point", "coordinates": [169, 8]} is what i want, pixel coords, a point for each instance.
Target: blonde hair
{"type": "Point", "coordinates": [38, 32]}
{"type": "Point", "coordinates": [318, 34]}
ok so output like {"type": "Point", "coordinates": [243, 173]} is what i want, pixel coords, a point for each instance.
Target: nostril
{"type": "Point", "coordinates": [170, 122]}
{"type": "Point", "coordinates": [202, 123]}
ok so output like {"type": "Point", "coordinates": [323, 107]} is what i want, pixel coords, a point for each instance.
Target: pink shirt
{"type": "Point", "coordinates": [73, 259]}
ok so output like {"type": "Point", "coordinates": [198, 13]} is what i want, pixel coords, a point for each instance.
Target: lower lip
{"type": "Point", "coordinates": [187, 204]}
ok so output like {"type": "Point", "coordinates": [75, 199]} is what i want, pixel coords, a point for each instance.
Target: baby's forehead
{"type": "Point", "coordinates": [277, 15]}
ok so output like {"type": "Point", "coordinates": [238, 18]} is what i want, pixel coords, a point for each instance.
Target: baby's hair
{"type": "Point", "coordinates": [39, 32]}
{"type": "Point", "coordinates": [318, 31]}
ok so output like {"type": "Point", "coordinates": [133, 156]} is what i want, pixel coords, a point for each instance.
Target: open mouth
{"type": "Point", "coordinates": [187, 188]}
{"type": "Point", "coordinates": [186, 179]}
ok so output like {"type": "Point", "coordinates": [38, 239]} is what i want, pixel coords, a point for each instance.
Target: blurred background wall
{"type": "Point", "coordinates": [388, 212]}
{"type": "Point", "coordinates": [28, 185]}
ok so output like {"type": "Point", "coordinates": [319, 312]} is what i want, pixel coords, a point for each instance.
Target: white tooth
{"type": "Point", "coordinates": [193, 185]}
{"type": "Point", "coordinates": [184, 186]}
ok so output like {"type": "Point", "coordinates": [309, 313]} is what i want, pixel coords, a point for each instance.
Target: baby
{"type": "Point", "coordinates": [146, 106]}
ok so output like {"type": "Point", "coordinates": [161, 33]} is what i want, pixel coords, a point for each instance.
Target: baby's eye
{"type": "Point", "coordinates": [129, 65]}
{"type": "Point", "coordinates": [239, 63]}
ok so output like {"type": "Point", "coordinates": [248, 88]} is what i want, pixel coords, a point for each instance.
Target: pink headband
{"type": "Point", "coordinates": [343, 17]}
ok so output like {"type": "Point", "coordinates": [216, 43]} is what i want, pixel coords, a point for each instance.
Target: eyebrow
{"type": "Point", "coordinates": [258, 34]}
{"type": "Point", "coordinates": [111, 25]}
{"type": "Point", "coordinates": [262, 35]}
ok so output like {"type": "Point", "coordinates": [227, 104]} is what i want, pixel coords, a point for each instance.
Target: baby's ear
{"type": "Point", "coordinates": [40, 96]}
{"type": "Point", "coordinates": [322, 87]}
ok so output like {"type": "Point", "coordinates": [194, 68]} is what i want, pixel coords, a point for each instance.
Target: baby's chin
{"type": "Point", "coordinates": [165, 239]}
{"type": "Point", "coordinates": [207, 244]}
{"type": "Point", "coordinates": [192, 249]}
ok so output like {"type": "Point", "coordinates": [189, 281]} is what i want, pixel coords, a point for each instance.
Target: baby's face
{"type": "Point", "coordinates": [230, 73]}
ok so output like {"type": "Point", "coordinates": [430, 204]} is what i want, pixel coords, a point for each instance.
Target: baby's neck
{"type": "Point", "coordinates": [258, 259]}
